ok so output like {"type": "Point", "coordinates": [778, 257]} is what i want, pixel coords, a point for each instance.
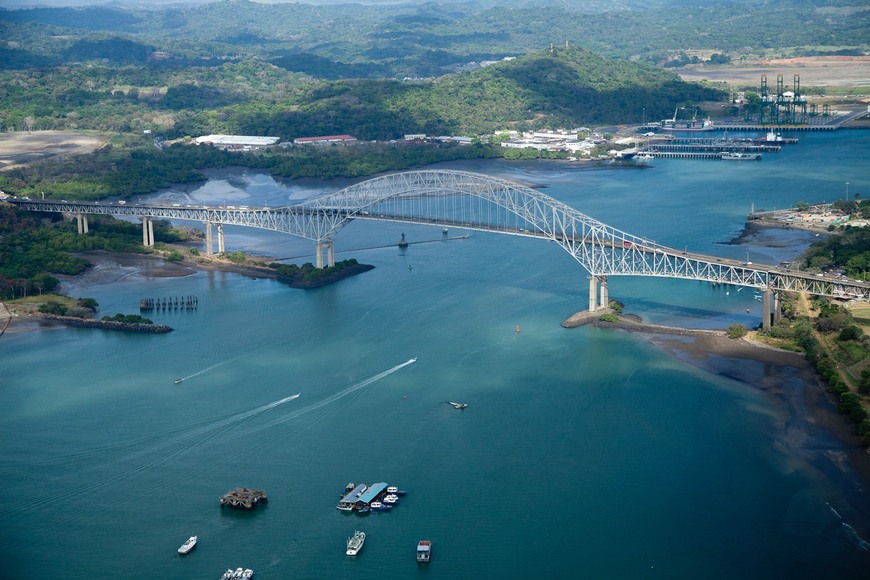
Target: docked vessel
{"type": "Point", "coordinates": [238, 574]}
{"type": "Point", "coordinates": [395, 490]}
{"type": "Point", "coordinates": [187, 546]}
{"type": "Point", "coordinates": [424, 551]}
{"type": "Point", "coordinates": [380, 506]}
{"type": "Point", "coordinates": [739, 156]}
{"type": "Point", "coordinates": [355, 543]}
{"type": "Point", "coordinates": [390, 499]}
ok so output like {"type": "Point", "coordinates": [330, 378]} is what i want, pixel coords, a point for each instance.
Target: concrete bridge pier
{"type": "Point", "coordinates": [765, 310]}
{"type": "Point", "coordinates": [330, 254]}
{"type": "Point", "coordinates": [82, 223]}
{"type": "Point", "coordinates": [209, 248]}
{"type": "Point", "coordinates": [777, 308]}
{"type": "Point", "coordinates": [147, 232]}
{"type": "Point", "coordinates": [597, 293]}
{"type": "Point", "coordinates": [220, 232]}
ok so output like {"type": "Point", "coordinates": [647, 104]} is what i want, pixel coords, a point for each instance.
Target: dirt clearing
{"type": "Point", "coordinates": [20, 147]}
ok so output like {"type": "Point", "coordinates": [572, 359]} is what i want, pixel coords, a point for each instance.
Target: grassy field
{"type": "Point", "coordinates": [861, 313]}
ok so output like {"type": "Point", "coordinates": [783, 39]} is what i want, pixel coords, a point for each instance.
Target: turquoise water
{"type": "Point", "coordinates": [582, 453]}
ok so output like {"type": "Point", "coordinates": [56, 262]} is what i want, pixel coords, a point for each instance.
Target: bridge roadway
{"type": "Point", "coordinates": [463, 200]}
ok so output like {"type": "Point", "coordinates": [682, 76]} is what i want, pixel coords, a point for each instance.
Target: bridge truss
{"type": "Point", "coordinates": [459, 199]}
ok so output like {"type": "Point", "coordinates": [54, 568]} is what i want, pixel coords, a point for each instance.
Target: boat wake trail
{"type": "Point", "coordinates": [356, 388]}
{"type": "Point", "coordinates": [156, 453]}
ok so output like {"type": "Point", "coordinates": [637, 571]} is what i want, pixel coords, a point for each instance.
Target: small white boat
{"type": "Point", "coordinates": [380, 506]}
{"type": "Point", "coordinates": [424, 551]}
{"type": "Point", "coordinates": [391, 499]}
{"type": "Point", "coordinates": [458, 405]}
{"type": "Point", "coordinates": [355, 543]}
{"type": "Point", "coordinates": [395, 490]}
{"type": "Point", "coordinates": [178, 381]}
{"type": "Point", "coordinates": [187, 546]}
{"type": "Point", "coordinates": [739, 156]}
{"type": "Point", "coordinates": [247, 574]}
{"type": "Point", "coordinates": [228, 575]}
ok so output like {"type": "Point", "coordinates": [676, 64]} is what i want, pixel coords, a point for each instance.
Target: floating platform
{"type": "Point", "coordinates": [243, 498]}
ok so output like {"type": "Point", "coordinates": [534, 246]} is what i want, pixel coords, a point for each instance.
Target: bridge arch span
{"type": "Point", "coordinates": [479, 202]}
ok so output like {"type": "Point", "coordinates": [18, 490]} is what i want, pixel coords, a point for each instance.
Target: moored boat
{"type": "Point", "coordinates": [739, 156]}
{"type": "Point", "coordinates": [187, 546]}
{"type": "Point", "coordinates": [355, 543]}
{"type": "Point", "coordinates": [395, 490]}
{"type": "Point", "coordinates": [424, 550]}
{"type": "Point", "coordinates": [390, 499]}
{"type": "Point", "coordinates": [380, 506]}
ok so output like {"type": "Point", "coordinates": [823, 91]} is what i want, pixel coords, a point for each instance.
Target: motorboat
{"type": "Point", "coordinates": [424, 550]}
{"type": "Point", "coordinates": [380, 506]}
{"type": "Point", "coordinates": [187, 546]}
{"type": "Point", "coordinates": [458, 405]}
{"type": "Point", "coordinates": [247, 574]}
{"type": "Point", "coordinates": [355, 543]}
{"type": "Point", "coordinates": [395, 490]}
{"type": "Point", "coordinates": [391, 499]}
{"type": "Point", "coordinates": [739, 156]}
{"type": "Point", "coordinates": [177, 381]}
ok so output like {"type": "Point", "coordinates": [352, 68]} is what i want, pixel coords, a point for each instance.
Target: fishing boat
{"type": "Point", "coordinates": [355, 543]}
{"type": "Point", "coordinates": [424, 550]}
{"type": "Point", "coordinates": [739, 156]}
{"type": "Point", "coordinates": [187, 546]}
{"type": "Point", "coordinates": [457, 405]}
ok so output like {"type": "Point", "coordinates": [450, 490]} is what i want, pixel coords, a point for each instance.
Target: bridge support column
{"type": "Point", "coordinates": [593, 293]}
{"type": "Point", "coordinates": [318, 258]}
{"type": "Point", "coordinates": [597, 293]}
{"type": "Point", "coordinates": [765, 310]}
{"type": "Point", "coordinates": [777, 308]}
{"type": "Point", "coordinates": [82, 223]}
{"type": "Point", "coordinates": [330, 255]}
{"type": "Point", "coordinates": [147, 232]}
{"type": "Point", "coordinates": [209, 251]}
{"type": "Point", "coordinates": [220, 233]}
{"type": "Point", "coordinates": [605, 299]}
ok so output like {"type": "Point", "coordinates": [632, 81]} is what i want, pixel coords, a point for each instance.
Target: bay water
{"type": "Point", "coordinates": [582, 453]}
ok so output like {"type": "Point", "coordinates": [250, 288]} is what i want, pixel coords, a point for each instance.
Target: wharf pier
{"type": "Point", "coordinates": [243, 498]}
{"type": "Point", "coordinates": [189, 302]}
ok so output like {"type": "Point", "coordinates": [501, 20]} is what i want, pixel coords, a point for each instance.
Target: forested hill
{"type": "Point", "coordinates": [560, 86]}
{"type": "Point", "coordinates": [425, 39]}
{"type": "Point", "coordinates": [557, 87]}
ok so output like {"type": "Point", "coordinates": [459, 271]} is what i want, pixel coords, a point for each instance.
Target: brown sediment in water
{"type": "Point", "coordinates": [812, 428]}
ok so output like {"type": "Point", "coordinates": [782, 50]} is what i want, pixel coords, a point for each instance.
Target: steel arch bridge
{"type": "Point", "coordinates": [465, 200]}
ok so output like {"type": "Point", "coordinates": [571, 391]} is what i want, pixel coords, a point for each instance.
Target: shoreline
{"type": "Point", "coordinates": [811, 426]}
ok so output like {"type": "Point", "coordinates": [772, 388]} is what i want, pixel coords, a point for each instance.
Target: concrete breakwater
{"type": "Point", "coordinates": [109, 324]}
{"type": "Point", "coordinates": [625, 323]}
